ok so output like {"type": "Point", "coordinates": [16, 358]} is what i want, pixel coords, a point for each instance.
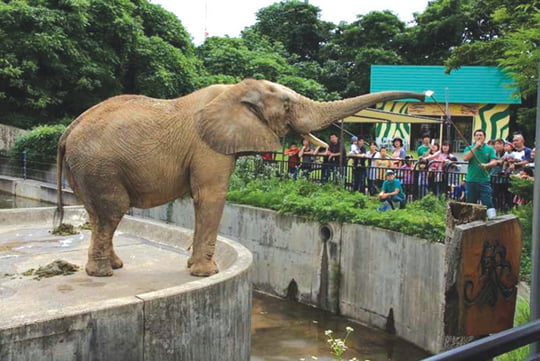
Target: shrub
{"type": "Point", "coordinates": [522, 187]}
{"type": "Point", "coordinates": [521, 317]}
{"type": "Point", "coordinates": [330, 203]}
{"type": "Point", "coordinates": [525, 215]}
{"type": "Point", "coordinates": [40, 145]}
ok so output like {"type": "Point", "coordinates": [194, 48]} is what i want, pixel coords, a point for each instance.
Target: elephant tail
{"type": "Point", "coordinates": [59, 212]}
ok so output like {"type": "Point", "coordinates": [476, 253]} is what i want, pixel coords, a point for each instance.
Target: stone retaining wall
{"type": "Point", "coordinates": [8, 134]}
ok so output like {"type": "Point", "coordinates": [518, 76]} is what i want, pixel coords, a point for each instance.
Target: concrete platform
{"type": "Point", "coordinates": [151, 309]}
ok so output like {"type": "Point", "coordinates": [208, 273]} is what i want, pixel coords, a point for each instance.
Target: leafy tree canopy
{"type": "Point", "coordinates": [58, 58]}
{"type": "Point", "coordinates": [254, 56]}
{"type": "Point", "coordinates": [507, 35]}
{"type": "Point", "coordinates": [296, 25]}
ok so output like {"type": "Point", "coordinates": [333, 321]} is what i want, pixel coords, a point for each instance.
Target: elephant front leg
{"type": "Point", "coordinates": [207, 218]}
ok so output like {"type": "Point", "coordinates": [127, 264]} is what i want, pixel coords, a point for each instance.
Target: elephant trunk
{"type": "Point", "coordinates": [318, 115]}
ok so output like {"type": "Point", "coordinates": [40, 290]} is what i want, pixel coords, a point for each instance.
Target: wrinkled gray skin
{"type": "Point", "coordinates": [135, 151]}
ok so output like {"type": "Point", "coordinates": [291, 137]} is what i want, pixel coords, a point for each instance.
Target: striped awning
{"type": "Point", "coordinates": [381, 116]}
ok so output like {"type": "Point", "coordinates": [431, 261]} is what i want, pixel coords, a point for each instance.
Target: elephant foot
{"type": "Point", "coordinates": [116, 262]}
{"type": "Point", "coordinates": [99, 267]}
{"type": "Point", "coordinates": [202, 268]}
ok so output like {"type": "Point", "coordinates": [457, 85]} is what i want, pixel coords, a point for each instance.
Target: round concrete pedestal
{"type": "Point", "coordinates": [151, 309]}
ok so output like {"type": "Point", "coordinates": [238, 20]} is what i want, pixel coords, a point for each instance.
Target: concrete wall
{"type": "Point", "coordinates": [206, 319]}
{"type": "Point", "coordinates": [8, 134]}
{"type": "Point", "coordinates": [381, 278]}
{"type": "Point", "coordinates": [36, 190]}
{"type": "Point", "coordinates": [378, 277]}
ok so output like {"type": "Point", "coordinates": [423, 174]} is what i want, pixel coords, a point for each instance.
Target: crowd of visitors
{"type": "Point", "coordinates": [397, 177]}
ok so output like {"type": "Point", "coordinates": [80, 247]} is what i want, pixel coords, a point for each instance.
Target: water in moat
{"type": "Point", "coordinates": [9, 201]}
{"type": "Point", "coordinates": [286, 330]}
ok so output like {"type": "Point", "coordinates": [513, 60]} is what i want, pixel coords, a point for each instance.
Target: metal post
{"type": "Point", "coordinates": [447, 116]}
{"type": "Point", "coordinates": [535, 285]}
{"type": "Point", "coordinates": [341, 160]}
{"type": "Point", "coordinates": [24, 164]}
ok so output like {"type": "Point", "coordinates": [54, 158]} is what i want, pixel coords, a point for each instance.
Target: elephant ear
{"type": "Point", "coordinates": [234, 123]}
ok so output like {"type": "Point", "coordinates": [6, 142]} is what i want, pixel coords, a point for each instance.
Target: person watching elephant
{"type": "Point", "coordinates": [391, 191]}
{"type": "Point", "coordinates": [481, 158]}
{"type": "Point", "coordinates": [294, 160]}
{"type": "Point", "coordinates": [358, 155]}
{"type": "Point", "coordinates": [307, 155]}
{"type": "Point", "coordinates": [336, 160]}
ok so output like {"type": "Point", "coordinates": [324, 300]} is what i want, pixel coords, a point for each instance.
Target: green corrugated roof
{"type": "Point", "coordinates": [468, 84]}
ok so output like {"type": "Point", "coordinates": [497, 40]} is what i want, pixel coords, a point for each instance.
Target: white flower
{"type": "Point", "coordinates": [349, 329]}
{"type": "Point", "coordinates": [328, 332]}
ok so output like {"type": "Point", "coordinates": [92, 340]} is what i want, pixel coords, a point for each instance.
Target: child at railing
{"type": "Point", "coordinates": [407, 176]}
{"type": "Point", "coordinates": [422, 178]}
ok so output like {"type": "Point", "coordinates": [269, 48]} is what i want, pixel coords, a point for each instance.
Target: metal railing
{"type": "Point", "coordinates": [23, 168]}
{"type": "Point", "coordinates": [441, 180]}
{"type": "Point", "coordinates": [486, 348]}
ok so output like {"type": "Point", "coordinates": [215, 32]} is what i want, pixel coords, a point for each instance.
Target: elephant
{"type": "Point", "coordinates": [137, 151]}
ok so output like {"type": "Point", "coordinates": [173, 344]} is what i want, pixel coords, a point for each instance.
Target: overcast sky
{"type": "Point", "coordinates": [229, 17]}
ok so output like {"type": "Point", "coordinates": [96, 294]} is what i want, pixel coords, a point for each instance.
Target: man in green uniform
{"type": "Point", "coordinates": [424, 147]}
{"type": "Point", "coordinates": [481, 157]}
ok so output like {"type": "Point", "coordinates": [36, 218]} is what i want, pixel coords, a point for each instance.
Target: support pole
{"type": "Point", "coordinates": [448, 118]}
{"type": "Point", "coordinates": [535, 285]}
{"type": "Point", "coordinates": [341, 160]}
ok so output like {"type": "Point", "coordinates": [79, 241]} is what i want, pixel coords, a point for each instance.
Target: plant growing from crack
{"type": "Point", "coordinates": [337, 345]}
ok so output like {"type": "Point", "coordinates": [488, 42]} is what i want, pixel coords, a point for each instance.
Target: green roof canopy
{"type": "Point", "coordinates": [468, 84]}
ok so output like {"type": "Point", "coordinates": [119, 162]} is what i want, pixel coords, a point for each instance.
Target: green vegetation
{"type": "Point", "coordinates": [40, 145]}
{"type": "Point", "coordinates": [521, 317]}
{"type": "Point", "coordinates": [525, 215]}
{"type": "Point", "coordinates": [524, 188]}
{"type": "Point", "coordinates": [59, 58]}
{"type": "Point", "coordinates": [424, 218]}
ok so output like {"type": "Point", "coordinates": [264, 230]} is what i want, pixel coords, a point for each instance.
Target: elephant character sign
{"type": "Point", "coordinates": [136, 151]}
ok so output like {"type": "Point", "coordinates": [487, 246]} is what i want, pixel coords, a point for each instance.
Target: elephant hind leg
{"type": "Point", "coordinates": [106, 210]}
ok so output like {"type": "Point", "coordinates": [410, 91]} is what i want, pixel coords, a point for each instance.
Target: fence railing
{"type": "Point", "coordinates": [27, 169]}
{"type": "Point", "coordinates": [487, 348]}
{"type": "Point", "coordinates": [440, 178]}
{"type": "Point", "coordinates": [417, 178]}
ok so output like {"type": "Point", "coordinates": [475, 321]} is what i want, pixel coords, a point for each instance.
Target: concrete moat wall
{"type": "Point", "coordinates": [381, 278]}
{"type": "Point", "coordinates": [203, 319]}
{"type": "Point", "coordinates": [378, 277]}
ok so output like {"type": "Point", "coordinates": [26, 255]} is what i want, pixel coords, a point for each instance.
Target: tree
{"type": "Point", "coordinates": [372, 39]}
{"type": "Point", "coordinates": [508, 38]}
{"type": "Point", "coordinates": [296, 25]}
{"type": "Point", "coordinates": [441, 27]}
{"type": "Point", "coordinates": [254, 56]}
{"type": "Point", "coordinates": [58, 58]}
